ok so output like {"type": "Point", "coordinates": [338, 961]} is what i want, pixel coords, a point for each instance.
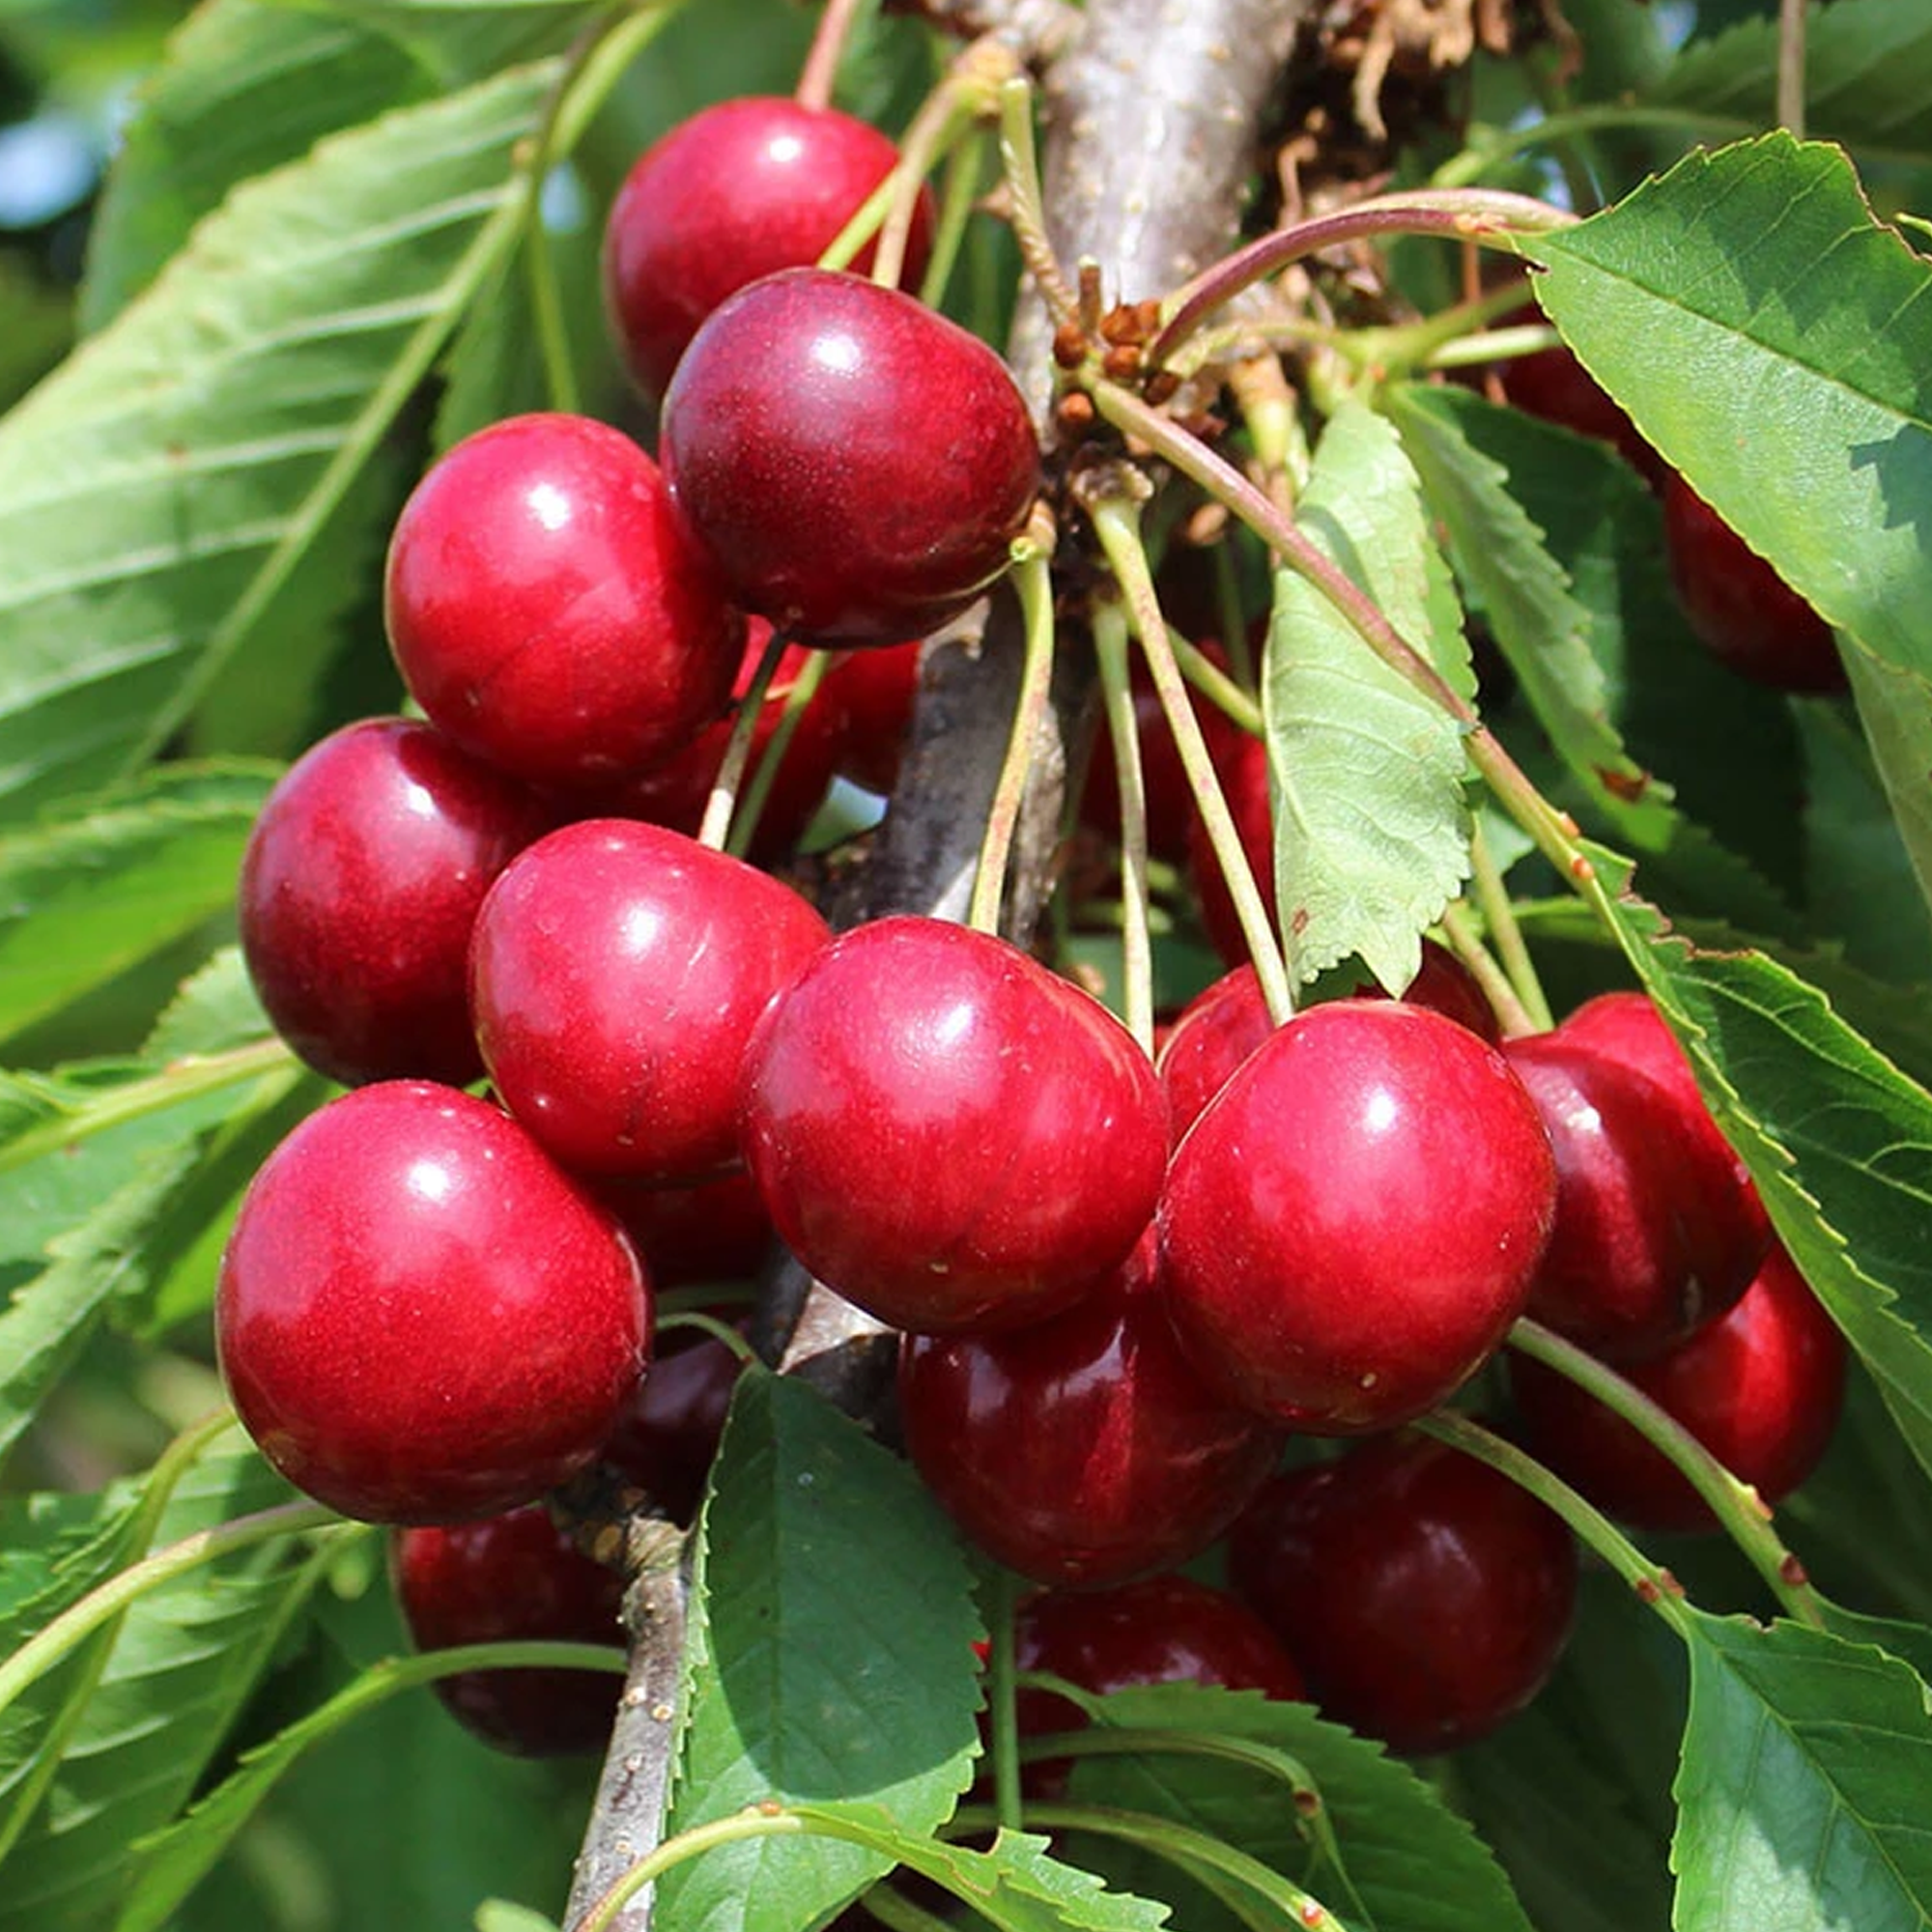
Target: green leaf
{"type": "Point", "coordinates": [212, 432]}
{"type": "Point", "coordinates": [244, 88]}
{"type": "Point", "coordinates": [216, 1009]}
{"type": "Point", "coordinates": [186, 1659]}
{"type": "Point", "coordinates": [1868, 77]}
{"type": "Point", "coordinates": [85, 900]}
{"type": "Point", "coordinates": [1774, 344]}
{"type": "Point", "coordinates": [1561, 546]}
{"type": "Point", "coordinates": [1895, 709]}
{"type": "Point", "coordinates": [464, 41]}
{"type": "Point", "coordinates": [1408, 1863]}
{"type": "Point", "coordinates": [1838, 1139]}
{"type": "Point", "coordinates": [1372, 828]}
{"type": "Point", "coordinates": [830, 1658]}
{"type": "Point", "coordinates": [1804, 1786]}
{"type": "Point", "coordinates": [496, 1915]}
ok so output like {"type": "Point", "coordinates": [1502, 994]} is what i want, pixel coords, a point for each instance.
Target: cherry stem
{"type": "Point", "coordinates": [1406, 344]}
{"type": "Point", "coordinates": [1791, 67]}
{"type": "Point", "coordinates": [1001, 1709]}
{"type": "Point", "coordinates": [718, 1331]}
{"type": "Point", "coordinates": [1553, 833]}
{"type": "Point", "coordinates": [1110, 646]}
{"type": "Point", "coordinates": [1116, 520]}
{"type": "Point", "coordinates": [1652, 1583]}
{"type": "Point", "coordinates": [820, 71]}
{"type": "Point", "coordinates": [1506, 935]}
{"type": "Point", "coordinates": [1214, 684]}
{"type": "Point", "coordinates": [1019, 162]}
{"type": "Point", "coordinates": [751, 806]}
{"type": "Point", "coordinates": [1035, 585]}
{"type": "Point", "coordinates": [1510, 1012]}
{"type": "Point", "coordinates": [867, 220]}
{"type": "Point", "coordinates": [957, 199]}
{"type": "Point", "coordinates": [57, 1639]}
{"type": "Point", "coordinates": [1475, 214]}
{"type": "Point", "coordinates": [1735, 1504]}
{"type": "Point", "coordinates": [559, 366]}
{"type": "Point", "coordinates": [1494, 345]}
{"type": "Point", "coordinates": [738, 748]}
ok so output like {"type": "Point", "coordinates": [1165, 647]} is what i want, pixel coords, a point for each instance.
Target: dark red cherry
{"type": "Point", "coordinates": [1760, 1388]}
{"type": "Point", "coordinates": [712, 1230]}
{"type": "Point", "coordinates": [512, 1578]}
{"type": "Point", "coordinates": [549, 609]}
{"type": "Point", "coordinates": [946, 1132]}
{"type": "Point", "coordinates": [858, 464]}
{"type": "Point", "coordinates": [1739, 608]}
{"type": "Point", "coordinates": [420, 1317]}
{"type": "Point", "coordinates": [1424, 1595]}
{"type": "Point", "coordinates": [360, 886]}
{"type": "Point", "coordinates": [1083, 1450]}
{"type": "Point", "coordinates": [616, 974]}
{"type": "Point", "coordinates": [1626, 1027]}
{"type": "Point", "coordinates": [1240, 760]}
{"type": "Point", "coordinates": [1352, 1226]}
{"type": "Point", "coordinates": [867, 701]}
{"type": "Point", "coordinates": [667, 1438]}
{"type": "Point", "coordinates": [739, 190]}
{"type": "Point", "coordinates": [1650, 1240]}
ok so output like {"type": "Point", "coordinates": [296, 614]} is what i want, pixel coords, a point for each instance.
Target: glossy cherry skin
{"type": "Point", "coordinates": [1652, 1238]}
{"type": "Point", "coordinates": [858, 464]}
{"type": "Point", "coordinates": [422, 1319]}
{"type": "Point", "coordinates": [1627, 1028]}
{"type": "Point", "coordinates": [1220, 1027]}
{"type": "Point", "coordinates": [667, 1438]}
{"type": "Point", "coordinates": [549, 609]}
{"type": "Point", "coordinates": [512, 1578]}
{"type": "Point", "coordinates": [1742, 611]}
{"type": "Point", "coordinates": [360, 886]}
{"type": "Point", "coordinates": [1082, 1451]}
{"type": "Point", "coordinates": [1424, 1595]}
{"type": "Point", "coordinates": [739, 190]}
{"type": "Point", "coordinates": [616, 974]}
{"type": "Point", "coordinates": [946, 1132]}
{"type": "Point", "coordinates": [1352, 1226]}
{"type": "Point", "coordinates": [1761, 1390]}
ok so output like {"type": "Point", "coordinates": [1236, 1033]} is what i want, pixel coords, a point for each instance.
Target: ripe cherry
{"type": "Point", "coordinates": [712, 1230]}
{"type": "Point", "coordinates": [858, 464]}
{"type": "Point", "coordinates": [739, 190]}
{"type": "Point", "coordinates": [1083, 1450]}
{"type": "Point", "coordinates": [1424, 1595]}
{"type": "Point", "coordinates": [420, 1317]}
{"type": "Point", "coordinates": [1761, 1390]}
{"type": "Point", "coordinates": [512, 1578]}
{"type": "Point", "coordinates": [616, 973]}
{"type": "Point", "coordinates": [866, 700]}
{"type": "Point", "coordinates": [1739, 608]}
{"type": "Point", "coordinates": [1652, 1236]}
{"type": "Point", "coordinates": [1355, 1222]}
{"type": "Point", "coordinates": [947, 1133]}
{"type": "Point", "coordinates": [360, 886]}
{"type": "Point", "coordinates": [667, 1438]}
{"type": "Point", "coordinates": [1240, 761]}
{"type": "Point", "coordinates": [549, 609]}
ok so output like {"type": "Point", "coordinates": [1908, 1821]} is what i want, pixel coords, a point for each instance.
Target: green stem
{"type": "Point", "coordinates": [1652, 1583]}
{"type": "Point", "coordinates": [1510, 1012]}
{"type": "Point", "coordinates": [1462, 214]}
{"type": "Point", "coordinates": [957, 199]}
{"type": "Point", "coordinates": [560, 367]}
{"type": "Point", "coordinates": [1019, 162]}
{"type": "Point", "coordinates": [1035, 585]}
{"type": "Point", "coordinates": [1110, 646]}
{"type": "Point", "coordinates": [1506, 935]}
{"type": "Point", "coordinates": [1494, 344]}
{"type": "Point", "coordinates": [55, 1640]}
{"type": "Point", "coordinates": [723, 797]}
{"type": "Point", "coordinates": [1002, 1711]}
{"type": "Point", "coordinates": [757, 1822]}
{"type": "Point", "coordinates": [708, 1324]}
{"type": "Point", "coordinates": [1116, 523]}
{"type": "Point", "coordinates": [749, 806]}
{"type": "Point", "coordinates": [185, 1079]}
{"type": "Point", "coordinates": [969, 93]}
{"type": "Point", "coordinates": [1735, 1504]}
{"type": "Point", "coordinates": [1791, 67]}
{"type": "Point", "coordinates": [1229, 698]}
{"type": "Point", "coordinates": [846, 247]}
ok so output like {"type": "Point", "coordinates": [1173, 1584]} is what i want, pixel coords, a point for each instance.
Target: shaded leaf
{"type": "Point", "coordinates": [1372, 828]}
{"type": "Point", "coordinates": [1895, 709]}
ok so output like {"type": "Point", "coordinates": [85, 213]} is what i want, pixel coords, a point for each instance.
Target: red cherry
{"type": "Point", "coordinates": [1760, 1388]}
{"type": "Point", "coordinates": [1240, 760]}
{"type": "Point", "coordinates": [1083, 1450]}
{"type": "Point", "coordinates": [1352, 1225]}
{"type": "Point", "coordinates": [946, 1132]}
{"type": "Point", "coordinates": [359, 889]}
{"type": "Point", "coordinates": [616, 974]}
{"type": "Point", "coordinates": [507, 1579]}
{"type": "Point", "coordinates": [420, 1317]}
{"type": "Point", "coordinates": [711, 1230]}
{"type": "Point", "coordinates": [739, 190]}
{"type": "Point", "coordinates": [867, 701]}
{"type": "Point", "coordinates": [1425, 1596]}
{"type": "Point", "coordinates": [1651, 1238]}
{"type": "Point", "coordinates": [1554, 387]}
{"type": "Point", "coordinates": [667, 1438]}
{"type": "Point", "coordinates": [548, 608]}
{"type": "Point", "coordinates": [858, 464]}
{"type": "Point", "coordinates": [1742, 611]}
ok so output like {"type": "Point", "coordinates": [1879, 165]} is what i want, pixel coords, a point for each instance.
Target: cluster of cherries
{"type": "Point", "coordinates": [1122, 1286]}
